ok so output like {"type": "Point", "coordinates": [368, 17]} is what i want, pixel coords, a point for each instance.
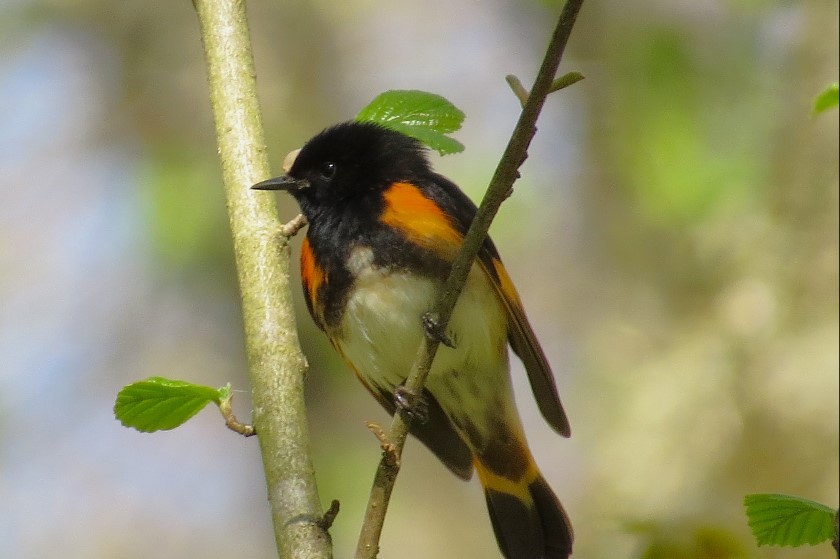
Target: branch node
{"type": "Point", "coordinates": [329, 517]}
{"type": "Point", "coordinates": [432, 327]}
{"type": "Point", "coordinates": [389, 451]}
{"type": "Point", "coordinates": [378, 432]}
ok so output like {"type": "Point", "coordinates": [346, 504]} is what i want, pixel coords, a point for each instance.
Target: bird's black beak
{"type": "Point", "coordinates": [285, 182]}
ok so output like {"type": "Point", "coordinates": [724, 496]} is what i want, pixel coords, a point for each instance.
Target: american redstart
{"type": "Point", "coordinates": [383, 231]}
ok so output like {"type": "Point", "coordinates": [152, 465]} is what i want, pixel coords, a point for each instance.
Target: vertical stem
{"type": "Point", "coordinates": [277, 365]}
{"type": "Point", "coordinates": [500, 186]}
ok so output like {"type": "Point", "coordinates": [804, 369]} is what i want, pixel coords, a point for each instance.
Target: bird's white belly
{"type": "Point", "coordinates": [381, 330]}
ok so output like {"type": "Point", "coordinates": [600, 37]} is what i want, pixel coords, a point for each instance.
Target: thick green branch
{"type": "Point", "coordinates": [500, 187]}
{"type": "Point", "coordinates": [277, 366]}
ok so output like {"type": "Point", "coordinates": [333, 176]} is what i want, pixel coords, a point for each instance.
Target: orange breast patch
{"type": "Point", "coordinates": [311, 274]}
{"type": "Point", "coordinates": [420, 219]}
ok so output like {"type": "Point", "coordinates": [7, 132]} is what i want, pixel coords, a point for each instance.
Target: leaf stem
{"type": "Point", "coordinates": [231, 422]}
{"type": "Point", "coordinates": [500, 186]}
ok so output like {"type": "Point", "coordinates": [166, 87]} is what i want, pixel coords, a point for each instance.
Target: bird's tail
{"type": "Point", "coordinates": [527, 517]}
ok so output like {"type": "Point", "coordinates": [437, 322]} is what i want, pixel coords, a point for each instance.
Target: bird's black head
{"type": "Point", "coordinates": [350, 161]}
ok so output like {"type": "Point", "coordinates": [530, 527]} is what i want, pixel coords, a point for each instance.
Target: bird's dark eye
{"type": "Point", "coordinates": [327, 170]}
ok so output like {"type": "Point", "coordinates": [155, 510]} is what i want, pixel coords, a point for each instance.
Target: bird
{"type": "Point", "coordinates": [383, 231]}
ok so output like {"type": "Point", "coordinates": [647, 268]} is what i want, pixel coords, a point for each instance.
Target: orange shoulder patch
{"type": "Point", "coordinates": [420, 219]}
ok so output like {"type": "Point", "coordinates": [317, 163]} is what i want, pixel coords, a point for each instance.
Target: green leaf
{"type": "Point", "coordinates": [786, 520]}
{"type": "Point", "coordinates": [828, 98]}
{"type": "Point", "coordinates": [419, 114]}
{"type": "Point", "coordinates": [159, 404]}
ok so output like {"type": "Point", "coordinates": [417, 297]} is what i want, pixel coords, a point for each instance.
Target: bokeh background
{"type": "Point", "coordinates": [674, 236]}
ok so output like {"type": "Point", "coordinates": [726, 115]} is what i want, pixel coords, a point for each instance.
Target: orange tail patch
{"type": "Point", "coordinates": [528, 519]}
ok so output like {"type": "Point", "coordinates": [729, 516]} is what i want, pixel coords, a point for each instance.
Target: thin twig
{"type": "Point", "coordinates": [500, 186]}
{"type": "Point", "coordinates": [329, 516]}
{"type": "Point", "coordinates": [294, 225]}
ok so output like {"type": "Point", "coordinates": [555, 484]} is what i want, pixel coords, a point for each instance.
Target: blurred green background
{"type": "Point", "coordinates": [674, 237]}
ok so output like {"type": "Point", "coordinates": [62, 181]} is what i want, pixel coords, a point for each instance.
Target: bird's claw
{"type": "Point", "coordinates": [415, 406]}
{"type": "Point", "coordinates": [433, 330]}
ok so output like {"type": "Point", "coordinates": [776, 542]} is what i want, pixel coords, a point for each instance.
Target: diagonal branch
{"type": "Point", "coordinates": [277, 365]}
{"type": "Point", "coordinates": [500, 187]}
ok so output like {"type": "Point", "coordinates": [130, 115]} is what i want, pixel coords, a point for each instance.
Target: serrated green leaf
{"type": "Point", "coordinates": [160, 404]}
{"type": "Point", "coordinates": [828, 98]}
{"type": "Point", "coordinates": [786, 520]}
{"type": "Point", "coordinates": [439, 142]}
{"type": "Point", "coordinates": [413, 107]}
{"type": "Point", "coordinates": [425, 116]}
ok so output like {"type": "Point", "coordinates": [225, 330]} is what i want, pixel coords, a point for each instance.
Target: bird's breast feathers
{"type": "Point", "coordinates": [381, 329]}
